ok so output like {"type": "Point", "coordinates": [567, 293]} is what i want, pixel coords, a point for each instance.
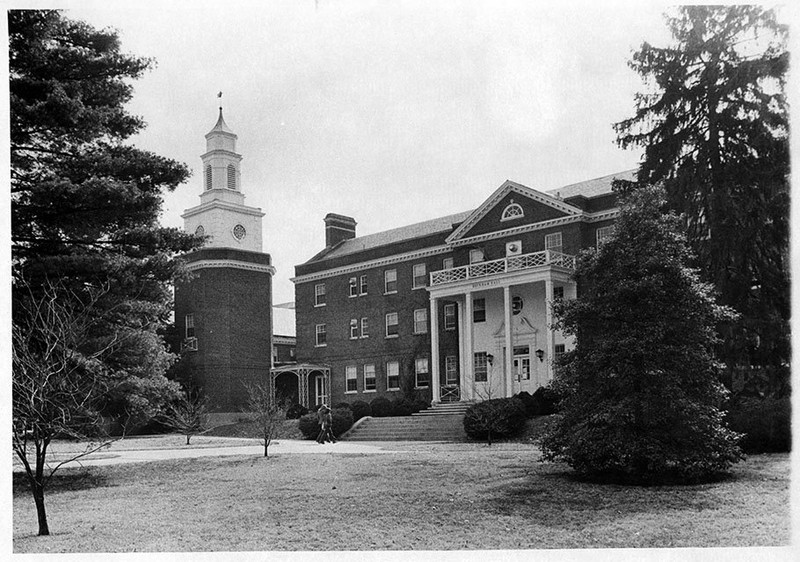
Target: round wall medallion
{"type": "Point", "coordinates": [200, 231]}
{"type": "Point", "coordinates": [239, 232]}
{"type": "Point", "coordinates": [516, 305]}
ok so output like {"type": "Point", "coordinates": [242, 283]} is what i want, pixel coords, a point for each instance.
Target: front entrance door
{"type": "Point", "coordinates": [522, 368]}
{"type": "Point", "coordinates": [319, 390]}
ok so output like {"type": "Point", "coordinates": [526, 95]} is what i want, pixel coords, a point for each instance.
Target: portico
{"type": "Point", "coordinates": [501, 312]}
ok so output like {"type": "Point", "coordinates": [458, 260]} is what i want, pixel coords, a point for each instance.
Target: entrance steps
{"type": "Point", "coordinates": [442, 422]}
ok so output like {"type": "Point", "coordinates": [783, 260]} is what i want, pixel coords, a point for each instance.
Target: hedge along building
{"type": "Point", "coordinates": [452, 309]}
{"type": "Point", "coordinates": [224, 312]}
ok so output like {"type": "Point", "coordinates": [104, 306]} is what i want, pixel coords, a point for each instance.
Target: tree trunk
{"type": "Point", "coordinates": [37, 487]}
{"type": "Point", "coordinates": [188, 437]}
{"type": "Point", "coordinates": [38, 498]}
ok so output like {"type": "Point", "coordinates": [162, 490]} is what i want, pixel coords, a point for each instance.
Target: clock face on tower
{"type": "Point", "coordinates": [239, 232]}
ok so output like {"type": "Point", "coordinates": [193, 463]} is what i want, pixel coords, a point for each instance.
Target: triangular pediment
{"type": "Point", "coordinates": [512, 205]}
{"type": "Point", "coordinates": [520, 326]}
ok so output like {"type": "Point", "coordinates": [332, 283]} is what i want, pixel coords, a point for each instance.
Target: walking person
{"type": "Point", "coordinates": [323, 414]}
{"type": "Point", "coordinates": [327, 427]}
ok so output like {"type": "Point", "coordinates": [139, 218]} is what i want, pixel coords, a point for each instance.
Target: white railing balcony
{"type": "Point", "coordinates": [504, 265]}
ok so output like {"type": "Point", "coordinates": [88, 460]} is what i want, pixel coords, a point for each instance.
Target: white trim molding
{"type": "Point", "coordinates": [380, 262]}
{"type": "Point", "coordinates": [233, 264]}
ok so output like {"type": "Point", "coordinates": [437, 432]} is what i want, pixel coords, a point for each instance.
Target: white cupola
{"type": "Point", "coordinates": [222, 214]}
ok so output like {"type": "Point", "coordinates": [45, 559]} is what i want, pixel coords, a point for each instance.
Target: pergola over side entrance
{"type": "Point", "coordinates": [305, 373]}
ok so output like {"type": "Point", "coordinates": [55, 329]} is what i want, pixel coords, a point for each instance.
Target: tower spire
{"type": "Point", "coordinates": [219, 95]}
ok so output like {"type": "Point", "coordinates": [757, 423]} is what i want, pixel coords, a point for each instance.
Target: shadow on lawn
{"type": "Point", "coordinates": [62, 482]}
{"type": "Point", "coordinates": [560, 499]}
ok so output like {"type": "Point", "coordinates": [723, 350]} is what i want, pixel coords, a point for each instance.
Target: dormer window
{"type": "Point", "coordinates": [231, 177]}
{"type": "Point", "coordinates": [208, 177]}
{"type": "Point", "coordinates": [512, 211]}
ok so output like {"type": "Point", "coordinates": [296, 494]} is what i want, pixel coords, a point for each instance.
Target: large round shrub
{"type": "Point", "coordinates": [492, 419]}
{"type": "Point", "coordinates": [545, 401]}
{"type": "Point", "coordinates": [360, 409]}
{"type": "Point", "coordinates": [309, 426]}
{"type": "Point", "coordinates": [342, 420]}
{"type": "Point", "coordinates": [343, 405]}
{"type": "Point", "coordinates": [420, 405]}
{"type": "Point", "coordinates": [296, 411]}
{"type": "Point", "coordinates": [765, 422]}
{"type": "Point", "coordinates": [381, 407]}
{"type": "Point", "coordinates": [528, 402]}
{"type": "Point", "coordinates": [404, 407]}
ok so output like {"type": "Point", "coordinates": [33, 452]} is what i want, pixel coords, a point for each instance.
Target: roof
{"type": "Point", "coordinates": [592, 188]}
{"type": "Point", "coordinates": [418, 230]}
{"type": "Point", "coordinates": [221, 126]}
{"type": "Point", "coordinates": [589, 188]}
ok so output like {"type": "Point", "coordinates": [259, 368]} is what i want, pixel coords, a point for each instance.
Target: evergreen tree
{"type": "Point", "coordinates": [85, 203]}
{"type": "Point", "coordinates": [640, 391]}
{"type": "Point", "coordinates": [714, 128]}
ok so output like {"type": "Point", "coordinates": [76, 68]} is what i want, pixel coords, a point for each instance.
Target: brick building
{"type": "Point", "coordinates": [451, 309]}
{"type": "Point", "coordinates": [224, 312]}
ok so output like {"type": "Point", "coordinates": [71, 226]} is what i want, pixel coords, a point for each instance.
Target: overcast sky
{"type": "Point", "coordinates": [389, 112]}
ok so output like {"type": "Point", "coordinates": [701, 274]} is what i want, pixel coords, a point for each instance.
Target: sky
{"type": "Point", "coordinates": [389, 112]}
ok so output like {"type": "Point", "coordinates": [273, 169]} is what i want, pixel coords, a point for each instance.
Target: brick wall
{"type": "Point", "coordinates": [232, 310]}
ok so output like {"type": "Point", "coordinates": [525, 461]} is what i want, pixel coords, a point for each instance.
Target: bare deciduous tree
{"type": "Point", "coordinates": [188, 415]}
{"type": "Point", "coordinates": [56, 381]}
{"type": "Point", "coordinates": [265, 412]}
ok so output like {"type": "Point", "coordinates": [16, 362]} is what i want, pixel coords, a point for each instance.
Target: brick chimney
{"type": "Point", "coordinates": [338, 228]}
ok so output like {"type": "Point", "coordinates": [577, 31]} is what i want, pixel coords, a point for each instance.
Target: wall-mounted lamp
{"type": "Point", "coordinates": [540, 354]}
{"type": "Point", "coordinates": [490, 358]}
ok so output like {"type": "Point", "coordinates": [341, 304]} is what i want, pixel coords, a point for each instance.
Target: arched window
{"type": "Point", "coordinates": [200, 231]}
{"type": "Point", "coordinates": [513, 211]}
{"type": "Point", "coordinates": [231, 177]}
{"type": "Point", "coordinates": [208, 177]}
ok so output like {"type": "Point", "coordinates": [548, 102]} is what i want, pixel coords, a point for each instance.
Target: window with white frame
{"type": "Point", "coordinates": [479, 310]}
{"type": "Point", "coordinates": [421, 321]}
{"type": "Point", "coordinates": [558, 293]}
{"type": "Point", "coordinates": [319, 294]}
{"type": "Point", "coordinates": [391, 325]}
{"type": "Point", "coordinates": [450, 316]}
{"type": "Point", "coordinates": [353, 287]}
{"type": "Point", "coordinates": [364, 328]}
{"type": "Point", "coordinates": [321, 335]}
{"type": "Point", "coordinates": [390, 281]}
{"type": "Point", "coordinates": [354, 328]}
{"type": "Point", "coordinates": [422, 373]}
{"type": "Point", "coordinates": [189, 321]}
{"type": "Point", "coordinates": [451, 369]}
{"type": "Point", "coordinates": [363, 288]}
{"type": "Point", "coordinates": [512, 211]}
{"type": "Point", "coordinates": [559, 350]}
{"type": "Point", "coordinates": [351, 379]}
{"type": "Point", "coordinates": [447, 263]}
{"type": "Point", "coordinates": [420, 276]}
{"type": "Point", "coordinates": [603, 234]}
{"type": "Point", "coordinates": [480, 366]}
{"type": "Point", "coordinates": [476, 255]}
{"type": "Point", "coordinates": [392, 375]}
{"type": "Point", "coordinates": [553, 242]}
{"type": "Point", "coordinates": [369, 378]}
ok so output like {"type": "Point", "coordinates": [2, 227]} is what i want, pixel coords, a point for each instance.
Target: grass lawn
{"type": "Point", "coordinates": [428, 496]}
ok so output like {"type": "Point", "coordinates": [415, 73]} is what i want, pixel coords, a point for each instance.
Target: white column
{"type": "Point", "coordinates": [550, 336]}
{"type": "Point", "coordinates": [508, 359]}
{"type": "Point", "coordinates": [434, 366]}
{"type": "Point", "coordinates": [468, 377]}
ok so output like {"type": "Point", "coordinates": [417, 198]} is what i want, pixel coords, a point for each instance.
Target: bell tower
{"type": "Point", "coordinates": [222, 214]}
{"type": "Point", "coordinates": [223, 312]}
